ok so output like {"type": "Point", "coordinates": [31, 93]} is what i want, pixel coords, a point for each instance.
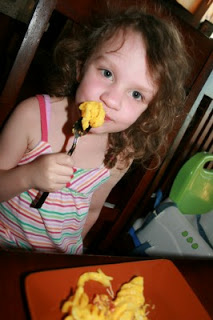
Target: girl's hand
{"type": "Point", "coordinates": [50, 172]}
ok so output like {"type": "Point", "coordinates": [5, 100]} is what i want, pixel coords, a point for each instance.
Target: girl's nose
{"type": "Point", "coordinates": [112, 98]}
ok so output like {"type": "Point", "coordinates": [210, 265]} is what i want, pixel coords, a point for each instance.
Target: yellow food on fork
{"type": "Point", "coordinates": [93, 114]}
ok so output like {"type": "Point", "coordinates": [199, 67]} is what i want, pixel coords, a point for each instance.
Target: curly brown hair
{"type": "Point", "coordinates": [168, 65]}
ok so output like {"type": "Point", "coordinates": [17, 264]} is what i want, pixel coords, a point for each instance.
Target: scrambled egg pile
{"type": "Point", "coordinates": [129, 304]}
{"type": "Point", "coordinates": [92, 113]}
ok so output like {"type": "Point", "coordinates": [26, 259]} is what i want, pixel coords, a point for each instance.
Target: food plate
{"type": "Point", "coordinates": [168, 294]}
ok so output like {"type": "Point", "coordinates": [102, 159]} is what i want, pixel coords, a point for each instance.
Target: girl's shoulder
{"type": "Point", "coordinates": [27, 111]}
{"type": "Point", "coordinates": [30, 106]}
{"type": "Point", "coordinates": [18, 133]}
{"type": "Point", "coordinates": [26, 116]}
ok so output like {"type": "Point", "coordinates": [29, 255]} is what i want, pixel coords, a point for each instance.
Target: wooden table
{"type": "Point", "coordinates": [14, 266]}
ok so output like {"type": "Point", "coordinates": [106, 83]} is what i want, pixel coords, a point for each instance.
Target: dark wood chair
{"type": "Point", "coordinates": [37, 26]}
{"type": "Point", "coordinates": [25, 55]}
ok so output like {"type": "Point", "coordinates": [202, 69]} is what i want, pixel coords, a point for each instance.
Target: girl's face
{"type": "Point", "coordinates": [118, 76]}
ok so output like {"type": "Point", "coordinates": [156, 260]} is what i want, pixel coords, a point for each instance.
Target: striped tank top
{"type": "Point", "coordinates": [58, 224]}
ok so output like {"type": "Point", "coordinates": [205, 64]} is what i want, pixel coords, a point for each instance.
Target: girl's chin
{"type": "Point", "coordinates": [105, 129]}
{"type": "Point", "coordinates": [98, 130]}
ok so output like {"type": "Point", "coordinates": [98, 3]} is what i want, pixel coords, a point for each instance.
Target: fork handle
{"type": "Point", "coordinates": [38, 202]}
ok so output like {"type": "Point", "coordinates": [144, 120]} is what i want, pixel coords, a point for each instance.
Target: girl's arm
{"type": "Point", "coordinates": [100, 196]}
{"type": "Point", "coordinates": [13, 143]}
{"type": "Point", "coordinates": [20, 134]}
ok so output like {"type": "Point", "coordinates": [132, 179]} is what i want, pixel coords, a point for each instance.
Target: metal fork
{"type": "Point", "coordinates": [78, 132]}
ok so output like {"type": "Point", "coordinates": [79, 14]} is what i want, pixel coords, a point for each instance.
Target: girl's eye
{"type": "Point", "coordinates": [137, 95]}
{"type": "Point", "coordinates": [106, 73]}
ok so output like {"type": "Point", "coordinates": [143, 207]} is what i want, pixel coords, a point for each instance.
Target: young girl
{"type": "Point", "coordinates": [132, 62]}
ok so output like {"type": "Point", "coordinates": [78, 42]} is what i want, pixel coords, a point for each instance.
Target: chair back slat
{"type": "Point", "coordinates": [25, 55]}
